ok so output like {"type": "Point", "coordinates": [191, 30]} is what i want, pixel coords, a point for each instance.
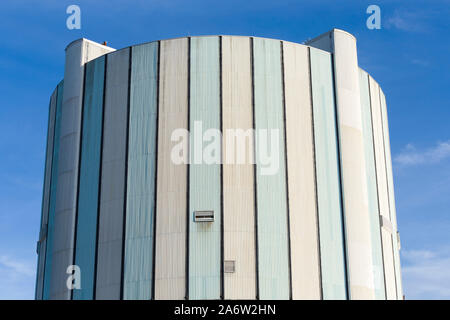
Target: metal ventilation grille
{"type": "Point", "coordinates": [204, 216]}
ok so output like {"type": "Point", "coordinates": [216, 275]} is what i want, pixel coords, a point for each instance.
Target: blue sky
{"type": "Point", "coordinates": [409, 57]}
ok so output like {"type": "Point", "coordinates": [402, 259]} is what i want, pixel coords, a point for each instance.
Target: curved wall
{"type": "Point", "coordinates": [313, 220]}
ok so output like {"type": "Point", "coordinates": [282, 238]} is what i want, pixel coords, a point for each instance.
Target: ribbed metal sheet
{"type": "Point", "coordinates": [42, 242]}
{"type": "Point", "coordinates": [327, 172]}
{"type": "Point", "coordinates": [238, 180]}
{"type": "Point", "coordinates": [52, 200]}
{"type": "Point", "coordinates": [77, 54]}
{"type": "Point", "coordinates": [170, 255]}
{"type": "Point", "coordinates": [109, 256]}
{"type": "Point", "coordinates": [383, 196]}
{"type": "Point", "coordinates": [375, 233]}
{"type": "Point", "coordinates": [273, 260]}
{"type": "Point", "coordinates": [86, 236]}
{"type": "Point", "coordinates": [390, 181]}
{"type": "Point", "coordinates": [353, 170]}
{"type": "Point", "coordinates": [138, 265]}
{"type": "Point", "coordinates": [204, 178]}
{"type": "Point", "coordinates": [304, 236]}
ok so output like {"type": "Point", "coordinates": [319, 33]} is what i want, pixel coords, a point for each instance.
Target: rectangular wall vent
{"type": "Point", "coordinates": [229, 266]}
{"type": "Point", "coordinates": [204, 216]}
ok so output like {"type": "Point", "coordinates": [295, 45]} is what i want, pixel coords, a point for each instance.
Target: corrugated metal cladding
{"type": "Point", "coordinates": [304, 225]}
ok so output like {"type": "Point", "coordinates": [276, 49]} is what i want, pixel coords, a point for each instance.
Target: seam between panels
{"type": "Point", "coordinates": [376, 181]}
{"type": "Point", "coordinates": [155, 190]}
{"type": "Point", "coordinates": [49, 193]}
{"type": "Point", "coordinates": [78, 173]}
{"type": "Point", "coordinates": [255, 199]}
{"type": "Point", "coordinates": [288, 223]}
{"type": "Point", "coordinates": [94, 288]}
{"type": "Point", "coordinates": [222, 254]}
{"type": "Point", "coordinates": [387, 189]}
{"type": "Point", "coordinates": [188, 165]}
{"type": "Point", "coordinates": [341, 184]}
{"type": "Point", "coordinates": [122, 280]}
{"type": "Point", "coordinates": [319, 266]}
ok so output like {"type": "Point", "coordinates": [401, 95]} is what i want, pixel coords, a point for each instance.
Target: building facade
{"type": "Point", "coordinates": [133, 222]}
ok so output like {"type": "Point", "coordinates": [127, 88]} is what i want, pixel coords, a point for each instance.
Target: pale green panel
{"type": "Point", "coordinates": [328, 182]}
{"type": "Point", "coordinates": [375, 232]}
{"type": "Point", "coordinates": [141, 173]}
{"type": "Point", "coordinates": [204, 178]}
{"type": "Point", "coordinates": [390, 181]}
{"type": "Point", "coordinates": [273, 262]}
{"type": "Point", "coordinates": [52, 201]}
{"type": "Point", "coordinates": [89, 177]}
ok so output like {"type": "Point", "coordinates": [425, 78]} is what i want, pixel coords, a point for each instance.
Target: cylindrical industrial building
{"type": "Point", "coordinates": [140, 203]}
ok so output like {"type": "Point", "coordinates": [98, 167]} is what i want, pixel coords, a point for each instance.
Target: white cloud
{"type": "Point", "coordinates": [17, 278]}
{"type": "Point", "coordinates": [426, 274]}
{"type": "Point", "coordinates": [411, 21]}
{"type": "Point", "coordinates": [411, 156]}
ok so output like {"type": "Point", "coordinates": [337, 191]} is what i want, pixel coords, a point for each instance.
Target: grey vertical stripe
{"type": "Point", "coordinates": [112, 179]}
{"type": "Point", "coordinates": [78, 171]}
{"type": "Point", "coordinates": [188, 165]}
{"type": "Point", "coordinates": [222, 286]}
{"type": "Point", "coordinates": [155, 213]}
{"type": "Point", "coordinates": [254, 169]}
{"type": "Point", "coordinates": [126, 174]}
{"type": "Point", "coordinates": [100, 180]}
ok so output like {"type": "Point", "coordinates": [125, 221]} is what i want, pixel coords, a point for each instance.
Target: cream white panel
{"type": "Point", "coordinates": [170, 255]}
{"type": "Point", "coordinates": [390, 181]}
{"type": "Point", "coordinates": [382, 188]}
{"type": "Point", "coordinates": [305, 264]}
{"type": "Point", "coordinates": [238, 180]}
{"type": "Point", "coordinates": [353, 170]}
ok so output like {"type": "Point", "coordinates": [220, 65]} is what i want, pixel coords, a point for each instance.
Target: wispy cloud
{"type": "Point", "coordinates": [411, 156]}
{"type": "Point", "coordinates": [420, 62]}
{"type": "Point", "coordinates": [409, 21]}
{"type": "Point", "coordinates": [17, 278]}
{"type": "Point", "coordinates": [426, 273]}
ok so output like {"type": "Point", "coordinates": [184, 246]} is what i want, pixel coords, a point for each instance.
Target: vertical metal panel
{"type": "Point", "coordinates": [353, 170]}
{"type": "Point", "coordinates": [377, 254]}
{"type": "Point", "coordinates": [48, 253]}
{"type": "Point", "coordinates": [390, 181]}
{"type": "Point", "coordinates": [141, 173]}
{"type": "Point", "coordinates": [327, 172]}
{"type": "Point", "coordinates": [382, 187]}
{"type": "Point", "coordinates": [300, 156]}
{"type": "Point", "coordinates": [238, 180]}
{"type": "Point", "coordinates": [111, 212]}
{"type": "Point", "coordinates": [273, 258]}
{"type": "Point", "coordinates": [204, 178]}
{"type": "Point", "coordinates": [42, 241]}
{"type": "Point", "coordinates": [170, 255]}
{"type": "Point", "coordinates": [89, 177]}
{"type": "Point", "coordinates": [77, 54]}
